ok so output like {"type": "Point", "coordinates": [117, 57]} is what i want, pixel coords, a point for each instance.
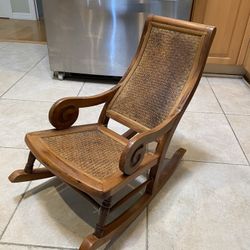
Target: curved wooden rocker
{"type": "Point", "coordinates": [150, 99]}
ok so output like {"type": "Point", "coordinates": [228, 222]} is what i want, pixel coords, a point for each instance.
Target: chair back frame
{"type": "Point", "coordinates": [204, 31]}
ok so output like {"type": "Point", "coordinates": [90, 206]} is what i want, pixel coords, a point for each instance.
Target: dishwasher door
{"type": "Point", "coordinates": [100, 37]}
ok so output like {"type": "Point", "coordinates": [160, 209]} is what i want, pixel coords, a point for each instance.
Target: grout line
{"type": "Point", "coordinates": [230, 126]}
{"type": "Point", "coordinates": [13, 99]}
{"type": "Point", "coordinates": [214, 162]}
{"type": "Point", "coordinates": [9, 147]}
{"type": "Point", "coordinates": [204, 112]}
{"type": "Point", "coordinates": [209, 112]}
{"type": "Point", "coordinates": [237, 140]}
{"type": "Point", "coordinates": [36, 246]}
{"type": "Point", "coordinates": [218, 163]}
{"type": "Point", "coordinates": [208, 83]}
{"type": "Point", "coordinates": [227, 114]}
{"type": "Point", "coordinates": [35, 100]}
{"type": "Point", "coordinates": [18, 204]}
{"type": "Point", "coordinates": [81, 88]}
{"type": "Point", "coordinates": [23, 76]}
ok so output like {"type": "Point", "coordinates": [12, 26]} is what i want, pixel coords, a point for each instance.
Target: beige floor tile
{"type": "Point", "coordinates": [21, 56]}
{"type": "Point", "coordinates": [90, 88]}
{"type": "Point", "coordinates": [42, 70]}
{"type": "Point", "coordinates": [241, 128]}
{"type": "Point", "coordinates": [218, 225]}
{"type": "Point", "coordinates": [19, 117]}
{"type": "Point", "coordinates": [38, 85]}
{"type": "Point", "coordinates": [229, 226]}
{"type": "Point", "coordinates": [230, 182]}
{"type": "Point", "coordinates": [232, 93]}
{"type": "Point", "coordinates": [117, 127]}
{"type": "Point", "coordinates": [13, 247]}
{"type": "Point", "coordinates": [42, 89]}
{"type": "Point", "coordinates": [3, 44]}
{"type": "Point", "coordinates": [27, 47]}
{"type": "Point", "coordinates": [204, 99]}
{"type": "Point", "coordinates": [8, 78]}
{"type": "Point", "coordinates": [51, 214]}
{"type": "Point", "coordinates": [134, 237]}
{"type": "Point", "coordinates": [207, 137]}
{"type": "Point", "coordinates": [89, 115]}
{"type": "Point", "coordinates": [10, 160]}
{"type": "Point", "coordinates": [204, 206]}
{"type": "Point", "coordinates": [172, 210]}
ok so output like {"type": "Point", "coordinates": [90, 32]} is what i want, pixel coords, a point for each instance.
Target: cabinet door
{"type": "Point", "coordinates": [230, 18]}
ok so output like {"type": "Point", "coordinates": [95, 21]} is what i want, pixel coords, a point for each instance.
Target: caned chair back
{"type": "Point", "coordinates": [166, 68]}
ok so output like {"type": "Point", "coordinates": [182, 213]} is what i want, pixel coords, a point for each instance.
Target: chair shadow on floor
{"type": "Point", "coordinates": [54, 194]}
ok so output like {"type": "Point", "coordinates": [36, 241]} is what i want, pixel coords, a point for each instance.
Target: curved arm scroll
{"type": "Point", "coordinates": [131, 157]}
{"type": "Point", "coordinates": [63, 114]}
{"type": "Point", "coordinates": [135, 150]}
{"type": "Point", "coordinates": [65, 111]}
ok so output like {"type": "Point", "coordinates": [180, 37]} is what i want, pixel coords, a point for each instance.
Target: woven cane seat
{"type": "Point", "coordinates": [86, 148]}
{"type": "Point", "coordinates": [89, 154]}
{"type": "Point", "coordinates": [90, 151]}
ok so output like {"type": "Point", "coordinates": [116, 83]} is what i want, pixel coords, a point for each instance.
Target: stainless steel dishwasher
{"type": "Point", "coordinates": [100, 37]}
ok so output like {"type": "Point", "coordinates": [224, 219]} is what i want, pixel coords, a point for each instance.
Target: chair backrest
{"type": "Point", "coordinates": [165, 71]}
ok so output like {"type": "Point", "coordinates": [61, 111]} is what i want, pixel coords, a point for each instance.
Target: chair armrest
{"type": "Point", "coordinates": [65, 111]}
{"type": "Point", "coordinates": [133, 153]}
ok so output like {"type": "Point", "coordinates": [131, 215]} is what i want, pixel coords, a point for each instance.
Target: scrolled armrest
{"type": "Point", "coordinates": [132, 156]}
{"type": "Point", "coordinates": [135, 150]}
{"type": "Point", "coordinates": [65, 111]}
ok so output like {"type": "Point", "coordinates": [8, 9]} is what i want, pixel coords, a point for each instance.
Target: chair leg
{"type": "Point", "coordinates": [116, 227]}
{"type": "Point", "coordinates": [30, 164]}
{"type": "Point", "coordinates": [103, 214]}
{"type": "Point", "coordinates": [93, 241]}
{"type": "Point", "coordinates": [28, 173]}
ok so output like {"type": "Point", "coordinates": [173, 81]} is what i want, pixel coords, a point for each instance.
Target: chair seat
{"type": "Point", "coordinates": [86, 157]}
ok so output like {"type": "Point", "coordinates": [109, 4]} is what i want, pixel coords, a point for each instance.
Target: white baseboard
{"type": "Point", "coordinates": [23, 16]}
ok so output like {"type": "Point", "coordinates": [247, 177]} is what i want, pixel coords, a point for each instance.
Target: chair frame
{"type": "Point", "coordinates": [65, 112]}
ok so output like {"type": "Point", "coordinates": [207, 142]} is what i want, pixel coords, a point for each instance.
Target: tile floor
{"type": "Point", "coordinates": [204, 206]}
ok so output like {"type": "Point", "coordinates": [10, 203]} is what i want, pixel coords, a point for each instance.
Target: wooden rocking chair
{"type": "Point", "coordinates": [150, 100]}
